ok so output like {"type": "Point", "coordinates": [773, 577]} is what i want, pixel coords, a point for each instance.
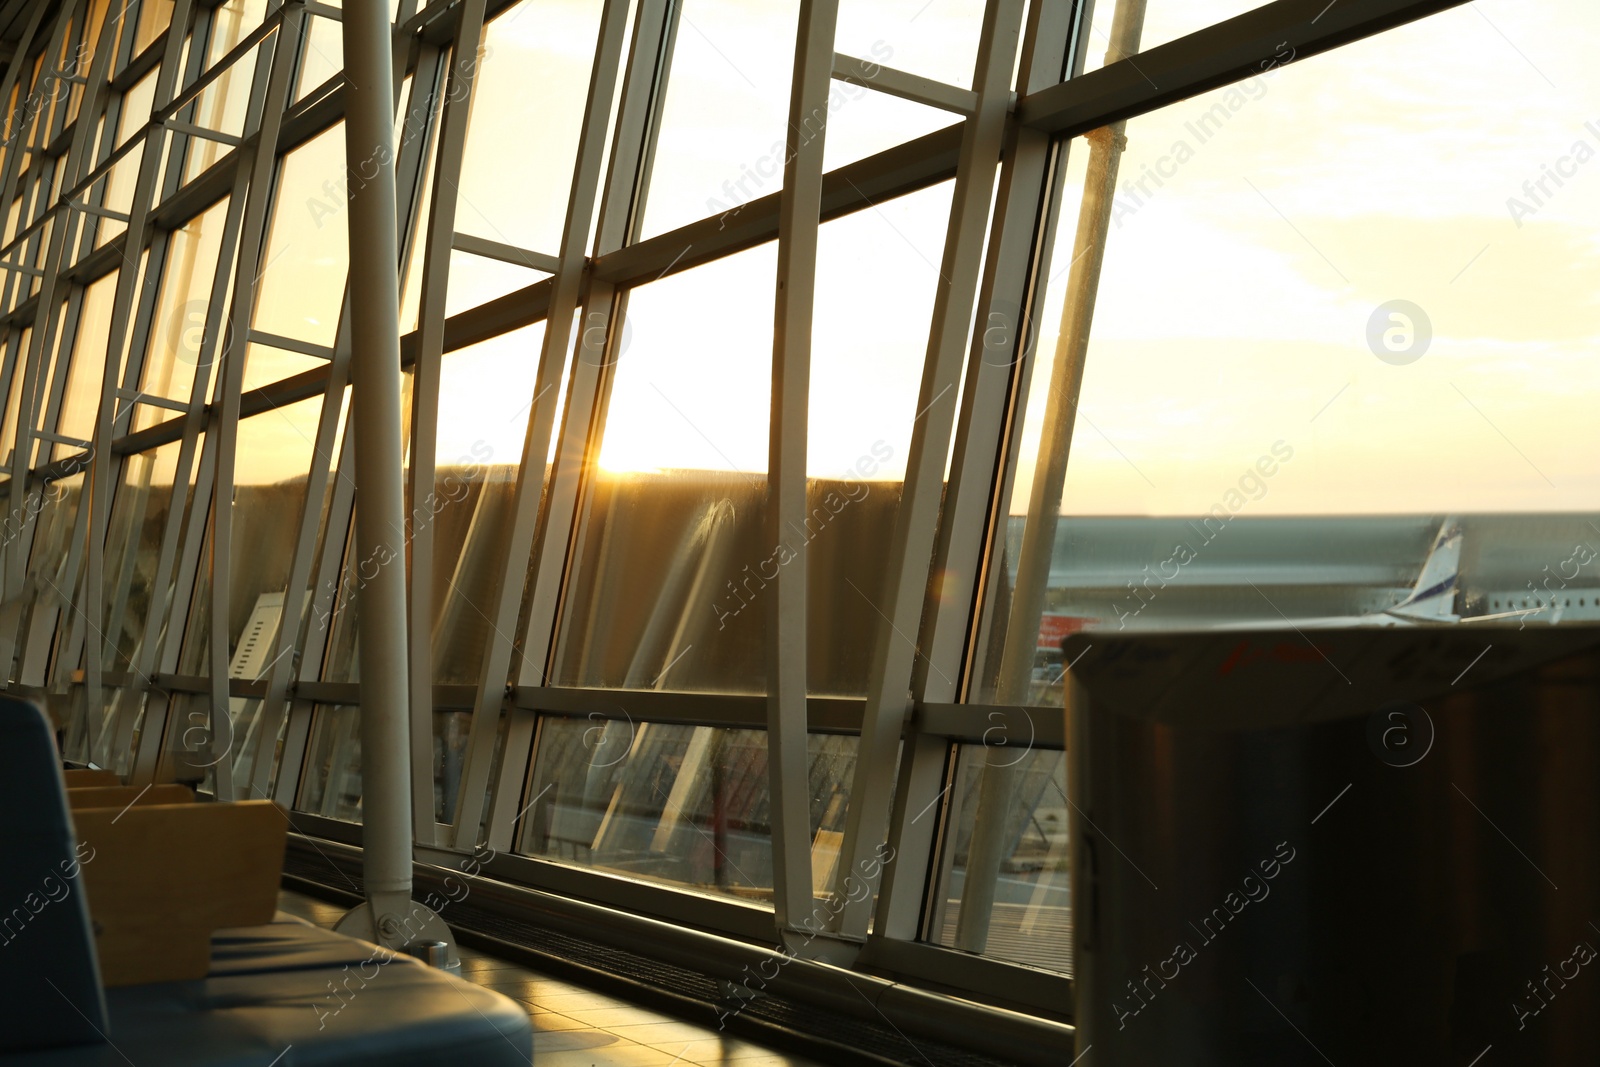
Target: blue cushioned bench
{"type": "Point", "coordinates": [285, 993]}
{"type": "Point", "coordinates": [325, 998]}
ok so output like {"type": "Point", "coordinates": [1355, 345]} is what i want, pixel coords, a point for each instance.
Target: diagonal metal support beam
{"type": "Point", "coordinates": [1282, 32]}
{"type": "Point", "coordinates": [916, 520]}
{"type": "Point", "coordinates": [799, 223]}
{"type": "Point", "coordinates": [913, 87]}
{"type": "Point", "coordinates": [568, 507]}
{"type": "Point", "coordinates": [253, 185]}
{"type": "Point", "coordinates": [566, 293]}
{"type": "Point", "coordinates": [1010, 302]}
{"type": "Point", "coordinates": [440, 237]}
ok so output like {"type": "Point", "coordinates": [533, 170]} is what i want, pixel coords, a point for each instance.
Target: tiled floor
{"type": "Point", "coordinates": [577, 1027]}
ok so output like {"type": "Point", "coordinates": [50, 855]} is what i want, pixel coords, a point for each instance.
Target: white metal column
{"type": "Point", "coordinates": [380, 504]}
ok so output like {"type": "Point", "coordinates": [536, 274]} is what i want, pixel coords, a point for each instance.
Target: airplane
{"type": "Point", "coordinates": [1430, 603]}
{"type": "Point", "coordinates": [1432, 600]}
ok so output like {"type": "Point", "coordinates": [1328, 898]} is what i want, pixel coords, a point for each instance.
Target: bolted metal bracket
{"type": "Point", "coordinates": [400, 925]}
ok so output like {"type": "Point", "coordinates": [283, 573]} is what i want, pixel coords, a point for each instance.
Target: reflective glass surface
{"type": "Point", "coordinates": [726, 111]}
{"type": "Point", "coordinates": [301, 281]}
{"type": "Point", "coordinates": [1024, 914]}
{"type": "Point", "coordinates": [530, 77]}
{"type": "Point", "coordinates": [672, 514]}
{"type": "Point", "coordinates": [1286, 326]}
{"type": "Point", "coordinates": [687, 805]}
{"type": "Point", "coordinates": [485, 399]}
{"type": "Point", "coordinates": [177, 345]}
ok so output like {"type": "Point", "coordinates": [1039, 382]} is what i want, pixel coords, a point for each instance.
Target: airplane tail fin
{"type": "Point", "coordinates": [1434, 595]}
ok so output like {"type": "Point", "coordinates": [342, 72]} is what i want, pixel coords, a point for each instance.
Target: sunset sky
{"type": "Point", "coordinates": [1235, 302]}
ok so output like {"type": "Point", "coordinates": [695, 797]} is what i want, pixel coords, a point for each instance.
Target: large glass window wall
{"type": "Point", "coordinates": [1090, 326]}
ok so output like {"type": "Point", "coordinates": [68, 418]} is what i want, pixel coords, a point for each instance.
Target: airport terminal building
{"type": "Point", "coordinates": [965, 532]}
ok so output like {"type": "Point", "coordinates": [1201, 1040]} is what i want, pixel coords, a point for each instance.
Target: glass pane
{"type": "Point", "coordinates": [322, 56]}
{"type": "Point", "coordinates": [532, 79]}
{"type": "Point", "coordinates": [17, 353]}
{"type": "Point", "coordinates": [269, 501]}
{"type": "Point", "coordinates": [416, 118]}
{"type": "Point", "coordinates": [330, 784]}
{"type": "Point", "coordinates": [114, 192]}
{"type": "Point", "coordinates": [674, 509]}
{"type": "Point", "coordinates": [178, 333]}
{"type": "Point", "coordinates": [1027, 915]}
{"type": "Point", "coordinates": [81, 401]}
{"type": "Point", "coordinates": [222, 104]}
{"type": "Point", "coordinates": [674, 556]}
{"type": "Point", "coordinates": [187, 756]}
{"type": "Point", "coordinates": [54, 581]}
{"type": "Point", "coordinates": [341, 661]}
{"type": "Point", "coordinates": [340, 618]}
{"type": "Point", "coordinates": [41, 417]}
{"type": "Point", "coordinates": [53, 95]}
{"type": "Point", "coordinates": [866, 372]}
{"type": "Point", "coordinates": [861, 122]}
{"type": "Point", "coordinates": [154, 17]}
{"type": "Point", "coordinates": [122, 728]}
{"type": "Point", "coordinates": [136, 104]}
{"type": "Point", "coordinates": [476, 280]}
{"type": "Point", "coordinates": [33, 117]}
{"type": "Point", "coordinates": [233, 22]}
{"type": "Point", "coordinates": [485, 399]}
{"type": "Point", "coordinates": [301, 287]}
{"type": "Point", "coordinates": [193, 659]}
{"type": "Point", "coordinates": [684, 805]}
{"type": "Point", "coordinates": [1314, 303]}
{"type": "Point", "coordinates": [727, 107]}
{"type": "Point", "coordinates": [139, 518]}
{"type": "Point", "coordinates": [77, 56]}
{"type": "Point", "coordinates": [264, 365]}
{"type": "Point", "coordinates": [935, 40]}
{"type": "Point", "coordinates": [37, 245]}
{"type": "Point", "coordinates": [12, 218]}
{"type": "Point", "coordinates": [135, 598]}
{"type": "Point", "coordinates": [275, 455]}
{"type": "Point", "coordinates": [451, 731]}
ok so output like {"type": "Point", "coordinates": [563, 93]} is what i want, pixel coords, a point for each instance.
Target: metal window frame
{"type": "Point", "coordinates": [439, 241]}
{"type": "Point", "coordinates": [411, 156]}
{"type": "Point", "coordinates": [566, 296]}
{"type": "Point", "coordinates": [993, 395]}
{"type": "Point", "coordinates": [566, 514]}
{"type": "Point", "coordinates": [799, 226]}
{"type": "Point", "coordinates": [106, 467]}
{"type": "Point", "coordinates": [253, 184]}
{"type": "Point", "coordinates": [917, 518]}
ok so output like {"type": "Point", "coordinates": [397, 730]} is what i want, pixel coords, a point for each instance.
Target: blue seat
{"type": "Point", "coordinates": [286, 993]}
{"type": "Point", "coordinates": [49, 980]}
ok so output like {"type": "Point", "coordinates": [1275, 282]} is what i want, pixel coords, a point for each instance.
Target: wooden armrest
{"type": "Point", "coordinates": [78, 778]}
{"type": "Point", "coordinates": [159, 879]}
{"type": "Point", "coordinates": [122, 796]}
